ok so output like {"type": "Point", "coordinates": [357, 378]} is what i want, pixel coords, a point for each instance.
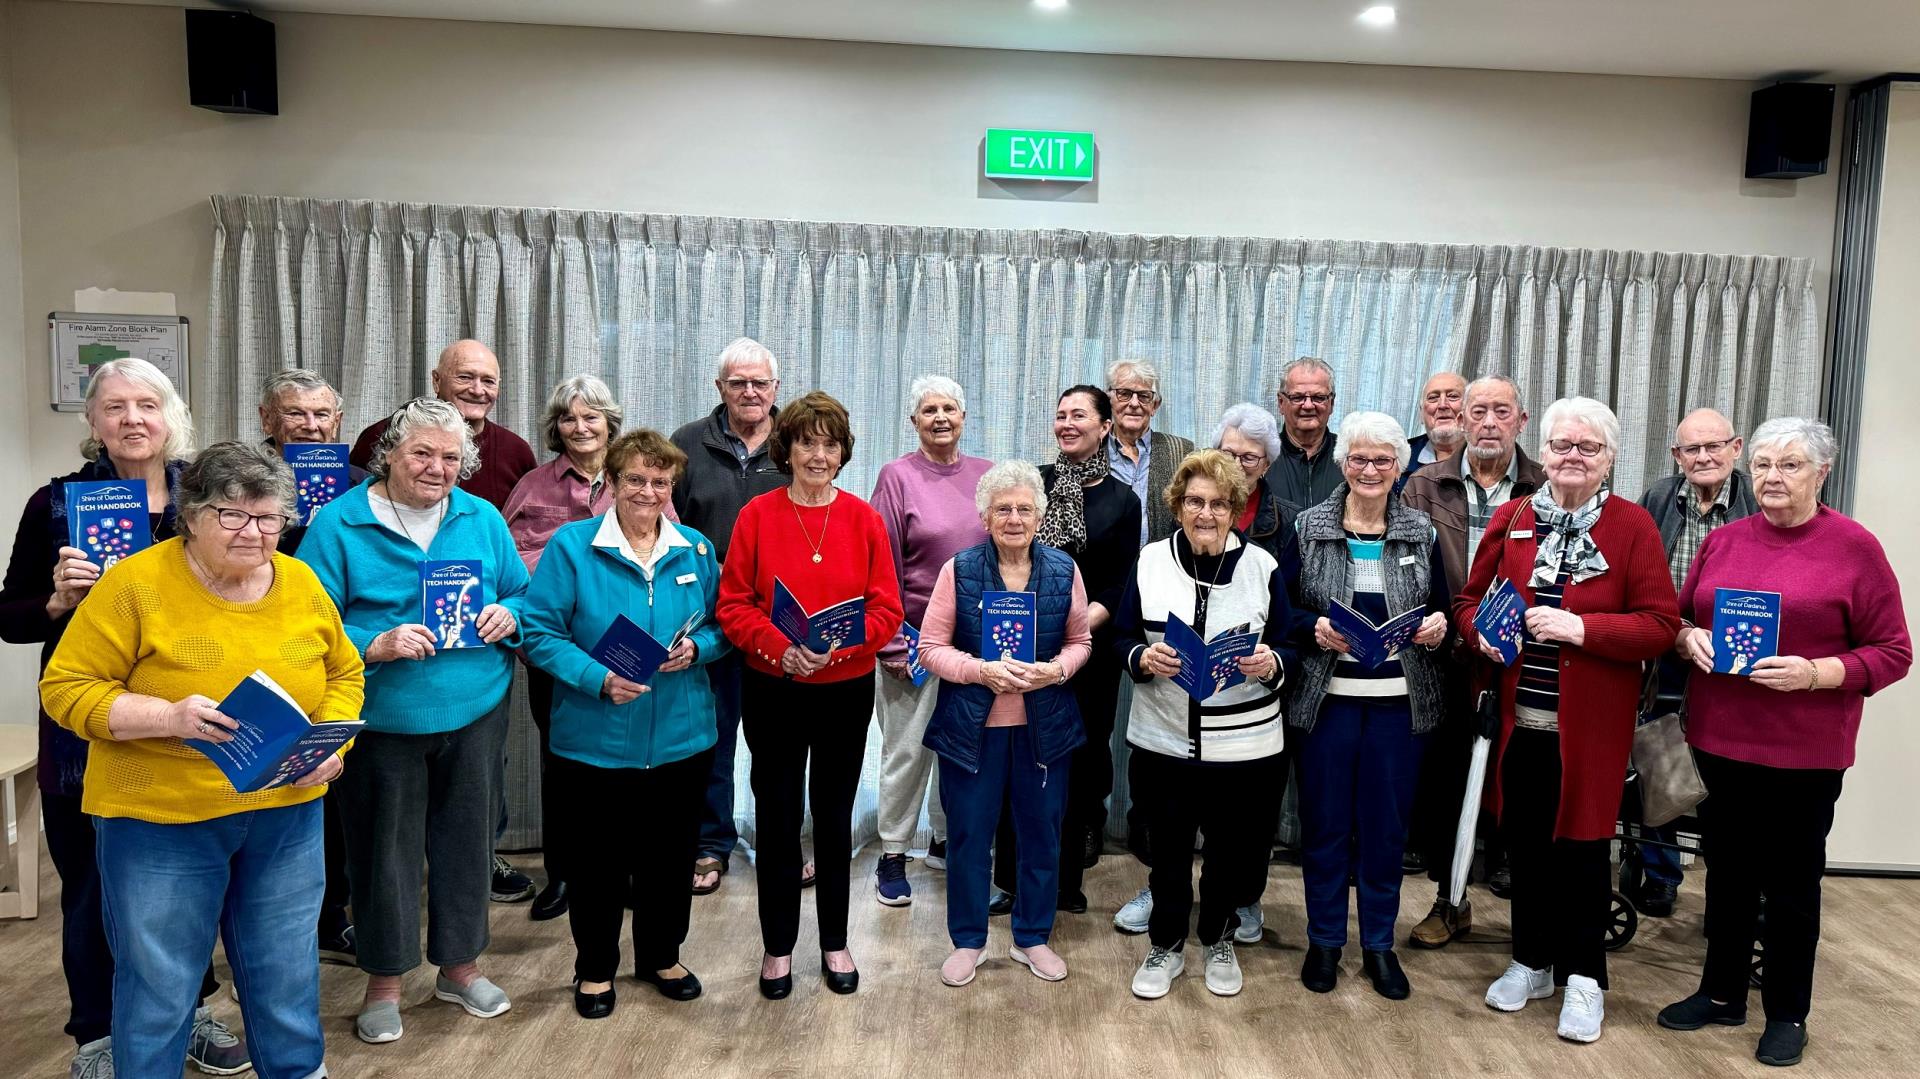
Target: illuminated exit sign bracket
{"type": "Point", "coordinates": [1019, 154]}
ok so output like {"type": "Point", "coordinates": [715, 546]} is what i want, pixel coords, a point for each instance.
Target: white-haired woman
{"type": "Point", "coordinates": [1002, 726]}
{"type": "Point", "coordinates": [1141, 457]}
{"type": "Point", "coordinates": [138, 428]}
{"type": "Point", "coordinates": [1250, 435]}
{"type": "Point", "coordinates": [423, 786]}
{"type": "Point", "coordinates": [1593, 574]}
{"type": "Point", "coordinates": [926, 499]}
{"type": "Point", "coordinates": [1773, 745]}
{"type": "Point", "coordinates": [1363, 729]}
{"type": "Point", "coordinates": [582, 420]}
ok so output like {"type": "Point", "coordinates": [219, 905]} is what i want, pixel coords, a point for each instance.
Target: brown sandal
{"type": "Point", "coordinates": [709, 865]}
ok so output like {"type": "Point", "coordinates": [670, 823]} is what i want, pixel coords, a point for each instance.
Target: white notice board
{"type": "Point", "coordinates": [77, 344]}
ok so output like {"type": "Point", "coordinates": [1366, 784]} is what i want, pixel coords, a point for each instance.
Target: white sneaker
{"type": "Point", "coordinates": [1223, 970]}
{"type": "Point", "coordinates": [1518, 985]}
{"type": "Point", "coordinates": [1133, 917]}
{"type": "Point", "coordinates": [1582, 1009]}
{"type": "Point", "coordinates": [1156, 974]}
{"type": "Point", "coordinates": [1252, 921]}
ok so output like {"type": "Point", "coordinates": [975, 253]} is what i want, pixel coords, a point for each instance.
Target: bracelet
{"type": "Point", "coordinates": [1813, 675]}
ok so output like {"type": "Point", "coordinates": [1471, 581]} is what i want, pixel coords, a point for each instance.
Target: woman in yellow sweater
{"type": "Point", "coordinates": [162, 635]}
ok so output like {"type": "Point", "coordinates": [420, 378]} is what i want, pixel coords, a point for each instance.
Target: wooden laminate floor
{"type": "Point", "coordinates": [903, 1022]}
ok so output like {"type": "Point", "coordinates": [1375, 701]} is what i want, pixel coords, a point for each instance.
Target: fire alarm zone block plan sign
{"type": "Point", "coordinates": [1018, 154]}
{"type": "Point", "coordinates": [78, 344]}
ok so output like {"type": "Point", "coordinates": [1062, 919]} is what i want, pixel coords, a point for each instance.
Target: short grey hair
{"type": "Point", "coordinates": [1597, 416]}
{"type": "Point", "coordinates": [1253, 422]}
{"type": "Point", "coordinates": [424, 414]}
{"type": "Point", "coordinates": [299, 380]}
{"type": "Point", "coordinates": [746, 350]}
{"type": "Point", "coordinates": [589, 391]}
{"type": "Point", "coordinates": [233, 472]}
{"type": "Point", "coordinates": [1007, 476]}
{"type": "Point", "coordinates": [1377, 428]}
{"type": "Point", "coordinates": [173, 407]}
{"type": "Point", "coordinates": [936, 386]}
{"type": "Point", "coordinates": [1487, 382]}
{"type": "Point", "coordinates": [1144, 370]}
{"type": "Point", "coordinates": [1783, 431]}
{"type": "Point", "coordinates": [1307, 363]}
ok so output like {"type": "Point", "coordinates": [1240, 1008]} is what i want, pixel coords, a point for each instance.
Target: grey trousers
{"type": "Point", "coordinates": [906, 766]}
{"type": "Point", "coordinates": [415, 803]}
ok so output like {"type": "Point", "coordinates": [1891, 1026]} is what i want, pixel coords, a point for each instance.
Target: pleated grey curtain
{"type": "Point", "coordinates": [367, 293]}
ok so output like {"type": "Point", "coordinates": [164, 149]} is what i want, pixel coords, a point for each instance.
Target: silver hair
{"type": "Point", "coordinates": [424, 414]}
{"type": "Point", "coordinates": [589, 391]}
{"type": "Point", "coordinates": [299, 380]}
{"type": "Point", "coordinates": [746, 350]}
{"type": "Point", "coordinates": [1377, 428]}
{"type": "Point", "coordinates": [233, 472]}
{"type": "Point", "coordinates": [173, 407]}
{"type": "Point", "coordinates": [1253, 422]}
{"type": "Point", "coordinates": [1783, 431]}
{"type": "Point", "coordinates": [936, 386]}
{"type": "Point", "coordinates": [1597, 417]}
{"type": "Point", "coordinates": [1007, 476]}
{"type": "Point", "coordinates": [1485, 382]}
{"type": "Point", "coordinates": [1144, 370]}
{"type": "Point", "coordinates": [1307, 363]}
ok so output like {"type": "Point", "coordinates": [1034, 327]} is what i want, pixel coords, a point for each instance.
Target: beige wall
{"type": "Point", "coordinates": [17, 665]}
{"type": "Point", "coordinates": [1875, 822]}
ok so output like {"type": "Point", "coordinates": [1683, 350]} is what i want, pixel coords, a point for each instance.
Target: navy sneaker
{"type": "Point", "coordinates": [890, 881]}
{"type": "Point", "coordinates": [214, 1049]}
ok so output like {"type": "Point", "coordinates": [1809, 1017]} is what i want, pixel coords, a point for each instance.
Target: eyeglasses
{"type": "Point", "coordinates": [1251, 460]}
{"type": "Point", "coordinates": [636, 480]}
{"type": "Point", "coordinates": [1378, 464]}
{"type": "Point", "coordinates": [742, 385]}
{"type": "Point", "coordinates": [1024, 513]}
{"type": "Point", "coordinates": [1218, 507]}
{"type": "Point", "coordinates": [319, 416]}
{"type": "Point", "coordinates": [270, 524]}
{"type": "Point", "coordinates": [1711, 449]}
{"type": "Point", "coordinates": [1454, 396]}
{"type": "Point", "coordinates": [1300, 399]}
{"type": "Point", "coordinates": [1587, 449]}
{"type": "Point", "coordinates": [1788, 468]}
{"type": "Point", "coordinates": [1148, 396]}
{"type": "Point", "coordinates": [1503, 413]}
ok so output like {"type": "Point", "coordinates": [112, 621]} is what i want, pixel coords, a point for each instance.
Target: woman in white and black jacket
{"type": "Point", "coordinates": [1363, 729]}
{"type": "Point", "coordinates": [1212, 766]}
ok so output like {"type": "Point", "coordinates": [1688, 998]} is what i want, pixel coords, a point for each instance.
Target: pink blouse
{"type": "Point", "coordinates": [949, 664]}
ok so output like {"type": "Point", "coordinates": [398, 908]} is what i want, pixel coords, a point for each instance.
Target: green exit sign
{"type": "Point", "coordinates": [1018, 154]}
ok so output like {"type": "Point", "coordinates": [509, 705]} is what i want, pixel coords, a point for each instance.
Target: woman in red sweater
{"type": "Point", "coordinates": [1773, 744]}
{"type": "Point", "coordinates": [1599, 598]}
{"type": "Point", "coordinates": [826, 546]}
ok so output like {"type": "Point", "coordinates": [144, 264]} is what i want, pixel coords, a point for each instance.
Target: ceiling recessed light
{"type": "Point", "coordinates": [1378, 15]}
{"type": "Point", "coordinates": [1050, 5]}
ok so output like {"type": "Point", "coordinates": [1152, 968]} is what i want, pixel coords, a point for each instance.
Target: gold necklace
{"type": "Point", "coordinates": [826, 522]}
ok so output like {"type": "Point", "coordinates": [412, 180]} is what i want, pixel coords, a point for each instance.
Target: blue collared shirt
{"type": "Point", "coordinates": [1133, 473]}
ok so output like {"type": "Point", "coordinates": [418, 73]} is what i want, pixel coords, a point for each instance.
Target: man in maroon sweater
{"type": "Point", "coordinates": [468, 378]}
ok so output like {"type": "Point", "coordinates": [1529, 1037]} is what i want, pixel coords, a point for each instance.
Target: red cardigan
{"type": "Point", "coordinates": [772, 537]}
{"type": "Point", "coordinates": [1630, 616]}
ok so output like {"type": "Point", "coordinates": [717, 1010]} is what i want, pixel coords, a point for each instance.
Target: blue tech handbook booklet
{"type": "Point", "coordinates": [275, 743]}
{"type": "Point", "coordinates": [108, 519]}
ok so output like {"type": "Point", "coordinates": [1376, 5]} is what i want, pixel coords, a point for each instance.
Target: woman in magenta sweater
{"type": "Point", "coordinates": [1773, 745]}
{"type": "Point", "coordinates": [826, 546]}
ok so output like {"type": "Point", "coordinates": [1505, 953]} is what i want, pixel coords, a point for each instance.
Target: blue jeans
{"type": "Point", "coordinates": [1359, 768]}
{"type": "Point", "coordinates": [718, 836]}
{"type": "Point", "coordinates": [1036, 799]}
{"type": "Point", "coordinates": [254, 877]}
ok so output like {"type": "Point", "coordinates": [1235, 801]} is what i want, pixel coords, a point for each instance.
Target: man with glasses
{"type": "Point", "coordinates": [298, 406]}
{"type": "Point", "coordinates": [1708, 492]}
{"type": "Point", "coordinates": [1138, 456]}
{"type": "Point", "coordinates": [727, 467]}
{"type": "Point", "coordinates": [1306, 472]}
{"type": "Point", "coordinates": [1460, 493]}
{"type": "Point", "coordinates": [1443, 410]}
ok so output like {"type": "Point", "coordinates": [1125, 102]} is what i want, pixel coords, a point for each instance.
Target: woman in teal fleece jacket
{"type": "Point", "coordinates": [630, 760]}
{"type": "Point", "coordinates": [427, 771]}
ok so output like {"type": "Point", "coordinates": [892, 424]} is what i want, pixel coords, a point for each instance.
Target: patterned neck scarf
{"type": "Point", "coordinates": [1566, 538]}
{"type": "Point", "coordinates": [1065, 525]}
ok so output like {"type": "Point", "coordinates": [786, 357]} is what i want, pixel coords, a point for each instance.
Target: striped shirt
{"type": "Point", "coordinates": [1351, 678]}
{"type": "Point", "coordinates": [1539, 687]}
{"type": "Point", "coordinates": [1694, 527]}
{"type": "Point", "coordinates": [1482, 501]}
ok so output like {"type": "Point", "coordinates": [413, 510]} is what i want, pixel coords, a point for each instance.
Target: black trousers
{"type": "Point", "coordinates": [1236, 805]}
{"type": "Point", "coordinates": [1436, 801]}
{"type": "Point", "coordinates": [553, 838]}
{"type": "Point", "coordinates": [1096, 690]}
{"type": "Point", "coordinates": [1562, 888]}
{"type": "Point", "coordinates": [333, 901]}
{"type": "Point", "coordinates": [808, 743]}
{"type": "Point", "coordinates": [1765, 831]}
{"type": "Point", "coordinates": [634, 832]}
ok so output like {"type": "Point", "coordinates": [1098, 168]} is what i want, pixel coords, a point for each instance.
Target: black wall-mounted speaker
{"type": "Point", "coordinates": [230, 62]}
{"type": "Point", "coordinates": [1789, 128]}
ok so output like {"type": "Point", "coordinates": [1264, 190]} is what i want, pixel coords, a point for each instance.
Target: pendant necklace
{"type": "Point", "coordinates": [825, 523]}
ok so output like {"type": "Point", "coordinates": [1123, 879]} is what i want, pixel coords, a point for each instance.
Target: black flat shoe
{"type": "Point", "coordinates": [1782, 1044]}
{"type": "Point", "coordinates": [1656, 899]}
{"type": "Point", "coordinates": [1699, 1009]}
{"type": "Point", "coordinates": [1321, 971]}
{"type": "Point", "coordinates": [1383, 970]}
{"type": "Point", "coordinates": [777, 988]}
{"type": "Point", "coordinates": [1001, 905]}
{"type": "Point", "coordinates": [1074, 902]}
{"type": "Point", "coordinates": [837, 981]}
{"type": "Point", "coordinates": [592, 1005]}
{"type": "Point", "coordinates": [551, 903]}
{"type": "Point", "coordinates": [1090, 853]}
{"type": "Point", "coordinates": [685, 987]}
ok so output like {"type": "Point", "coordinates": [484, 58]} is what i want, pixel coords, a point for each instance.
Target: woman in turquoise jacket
{"type": "Point", "coordinates": [642, 750]}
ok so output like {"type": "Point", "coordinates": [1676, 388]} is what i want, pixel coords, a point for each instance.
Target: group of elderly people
{"type": "Point", "coordinates": [1124, 533]}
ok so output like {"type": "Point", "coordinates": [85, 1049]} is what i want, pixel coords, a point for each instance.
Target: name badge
{"type": "Point", "coordinates": [1408, 560]}
{"type": "Point", "coordinates": [1521, 533]}
{"type": "Point", "coordinates": [686, 578]}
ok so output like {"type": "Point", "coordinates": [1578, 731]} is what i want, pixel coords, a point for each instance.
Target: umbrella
{"type": "Point", "coordinates": [1488, 719]}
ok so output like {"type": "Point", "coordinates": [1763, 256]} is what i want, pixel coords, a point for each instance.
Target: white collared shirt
{"type": "Point", "coordinates": [613, 538]}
